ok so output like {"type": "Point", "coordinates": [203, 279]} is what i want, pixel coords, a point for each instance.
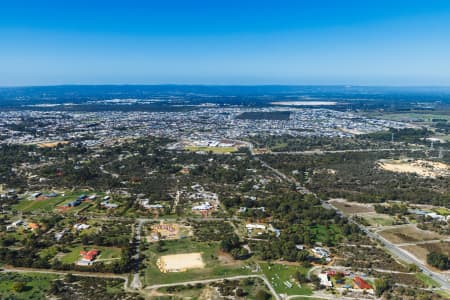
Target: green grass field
{"type": "Point", "coordinates": [49, 204]}
{"type": "Point", "coordinates": [213, 267]}
{"type": "Point", "coordinates": [323, 233]}
{"type": "Point", "coordinates": [212, 149]}
{"type": "Point", "coordinates": [277, 274]}
{"type": "Point", "coordinates": [278, 146]}
{"type": "Point", "coordinates": [36, 285]}
{"type": "Point", "coordinates": [442, 211]}
{"type": "Point", "coordinates": [46, 205]}
{"type": "Point", "coordinates": [381, 220]}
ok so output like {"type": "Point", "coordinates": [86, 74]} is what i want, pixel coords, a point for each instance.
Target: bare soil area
{"type": "Point", "coordinates": [421, 251]}
{"type": "Point", "coordinates": [409, 234]}
{"type": "Point", "coordinates": [350, 208]}
{"type": "Point", "coordinates": [424, 168]}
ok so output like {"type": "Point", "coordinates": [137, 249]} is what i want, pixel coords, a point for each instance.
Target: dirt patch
{"type": "Point", "coordinates": [424, 168]}
{"type": "Point", "coordinates": [52, 144]}
{"type": "Point", "coordinates": [209, 293]}
{"type": "Point", "coordinates": [421, 251]}
{"type": "Point", "coordinates": [417, 251]}
{"type": "Point", "coordinates": [226, 258]}
{"type": "Point", "coordinates": [168, 231]}
{"type": "Point", "coordinates": [440, 247]}
{"type": "Point", "coordinates": [409, 234]}
{"type": "Point", "coordinates": [350, 208]}
{"type": "Point", "coordinates": [180, 262]}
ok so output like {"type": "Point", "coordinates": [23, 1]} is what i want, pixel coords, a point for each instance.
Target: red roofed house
{"type": "Point", "coordinates": [89, 255]}
{"type": "Point", "coordinates": [361, 283]}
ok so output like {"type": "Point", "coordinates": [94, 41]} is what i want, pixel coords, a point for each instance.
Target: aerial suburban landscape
{"type": "Point", "coordinates": [202, 197]}
{"type": "Point", "coordinates": [224, 150]}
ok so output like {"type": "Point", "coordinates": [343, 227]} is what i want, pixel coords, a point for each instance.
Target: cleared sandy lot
{"type": "Point", "coordinates": [424, 168]}
{"type": "Point", "coordinates": [409, 234]}
{"type": "Point", "coordinates": [421, 251]}
{"type": "Point", "coordinates": [350, 208]}
{"type": "Point", "coordinates": [168, 231]}
{"type": "Point", "coordinates": [180, 262]}
{"type": "Point", "coordinates": [52, 144]}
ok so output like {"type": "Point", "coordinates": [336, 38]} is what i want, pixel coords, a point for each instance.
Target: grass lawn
{"type": "Point", "coordinates": [212, 149]}
{"type": "Point", "coordinates": [323, 233]}
{"type": "Point", "coordinates": [48, 252]}
{"type": "Point", "coordinates": [105, 253]}
{"type": "Point", "coordinates": [381, 220]}
{"type": "Point", "coordinates": [442, 211]}
{"type": "Point", "coordinates": [278, 146]}
{"type": "Point", "coordinates": [36, 285]}
{"type": "Point", "coordinates": [19, 234]}
{"type": "Point", "coordinates": [49, 204]}
{"type": "Point", "coordinates": [427, 280]}
{"type": "Point", "coordinates": [109, 253]}
{"type": "Point", "coordinates": [46, 205]}
{"type": "Point", "coordinates": [277, 274]}
{"type": "Point", "coordinates": [445, 294]}
{"type": "Point", "coordinates": [213, 267]}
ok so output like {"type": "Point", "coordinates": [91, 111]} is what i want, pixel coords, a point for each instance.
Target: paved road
{"type": "Point", "coordinates": [272, 290]}
{"type": "Point", "coordinates": [393, 249]}
{"type": "Point", "coordinates": [136, 281]}
{"type": "Point", "coordinates": [312, 152]}
{"type": "Point", "coordinates": [407, 257]}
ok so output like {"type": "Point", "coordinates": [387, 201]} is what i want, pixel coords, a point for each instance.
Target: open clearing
{"type": "Point", "coordinates": [213, 268]}
{"type": "Point", "coordinates": [180, 262]}
{"type": "Point", "coordinates": [282, 279]}
{"type": "Point", "coordinates": [409, 234]}
{"type": "Point", "coordinates": [36, 285]}
{"type": "Point", "coordinates": [52, 144]}
{"type": "Point", "coordinates": [168, 231]}
{"type": "Point", "coordinates": [375, 219]}
{"type": "Point", "coordinates": [211, 149]}
{"type": "Point", "coordinates": [350, 208]}
{"type": "Point", "coordinates": [49, 204]}
{"type": "Point", "coordinates": [424, 168]}
{"type": "Point", "coordinates": [421, 250]}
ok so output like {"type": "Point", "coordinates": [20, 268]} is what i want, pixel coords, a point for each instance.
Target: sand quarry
{"type": "Point", "coordinates": [424, 168]}
{"type": "Point", "coordinates": [180, 262]}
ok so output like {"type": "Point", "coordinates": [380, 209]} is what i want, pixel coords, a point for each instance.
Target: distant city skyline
{"type": "Point", "coordinates": [382, 43]}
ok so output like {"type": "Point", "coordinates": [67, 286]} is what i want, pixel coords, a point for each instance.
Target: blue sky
{"type": "Point", "coordinates": [367, 42]}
